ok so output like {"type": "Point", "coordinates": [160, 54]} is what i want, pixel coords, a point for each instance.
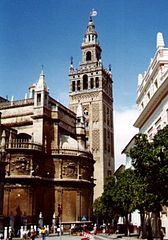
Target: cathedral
{"type": "Point", "coordinates": [54, 159]}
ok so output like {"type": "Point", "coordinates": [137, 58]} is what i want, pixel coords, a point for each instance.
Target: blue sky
{"type": "Point", "coordinates": [49, 32]}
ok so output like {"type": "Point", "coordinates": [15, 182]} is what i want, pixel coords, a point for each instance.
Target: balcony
{"type": "Point", "coordinates": [23, 144]}
{"type": "Point", "coordinates": [71, 152]}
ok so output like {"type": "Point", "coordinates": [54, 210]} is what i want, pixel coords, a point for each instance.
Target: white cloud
{"type": "Point", "coordinates": [123, 131]}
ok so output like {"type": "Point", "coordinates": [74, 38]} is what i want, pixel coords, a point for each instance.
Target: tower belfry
{"type": "Point", "coordinates": [91, 85]}
{"type": "Point", "coordinates": [91, 50]}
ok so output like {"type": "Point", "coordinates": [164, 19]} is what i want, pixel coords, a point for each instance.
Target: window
{"type": "Point", "coordinates": [142, 105]}
{"type": "Point", "coordinates": [91, 83]}
{"type": "Point", "coordinates": [46, 98]}
{"type": "Point", "coordinates": [156, 84]}
{"type": "Point", "coordinates": [108, 117]}
{"type": "Point", "coordinates": [88, 56]}
{"type": "Point", "coordinates": [78, 85]}
{"type": "Point", "coordinates": [39, 99]}
{"type": "Point", "coordinates": [150, 133]}
{"type": "Point", "coordinates": [158, 124]}
{"type": "Point", "coordinates": [97, 82]}
{"type": "Point", "coordinates": [158, 128]}
{"type": "Point", "coordinates": [85, 82]}
{"type": "Point", "coordinates": [73, 86]}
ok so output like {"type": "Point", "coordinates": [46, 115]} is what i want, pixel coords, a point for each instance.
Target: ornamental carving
{"type": "Point", "coordinates": [69, 169]}
{"type": "Point", "coordinates": [95, 112]}
{"type": "Point", "coordinates": [96, 140]}
{"type": "Point", "coordinates": [21, 165]}
{"type": "Point", "coordinates": [89, 96]}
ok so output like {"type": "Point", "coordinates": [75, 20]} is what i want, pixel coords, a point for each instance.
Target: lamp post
{"type": "Point", "coordinates": [60, 215]}
{"type": "Point", "coordinates": [53, 222]}
{"type": "Point", "coordinates": [40, 220]}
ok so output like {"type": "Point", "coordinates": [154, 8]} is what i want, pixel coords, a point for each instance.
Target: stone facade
{"type": "Point", "coordinates": [91, 85]}
{"type": "Point", "coordinates": [47, 162]}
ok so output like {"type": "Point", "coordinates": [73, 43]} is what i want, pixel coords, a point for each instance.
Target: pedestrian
{"type": "Point", "coordinates": [1, 236]}
{"type": "Point", "coordinates": [162, 233]}
{"type": "Point", "coordinates": [11, 234]}
{"type": "Point", "coordinates": [33, 234]}
{"type": "Point", "coordinates": [95, 229]}
{"type": "Point", "coordinates": [43, 233]}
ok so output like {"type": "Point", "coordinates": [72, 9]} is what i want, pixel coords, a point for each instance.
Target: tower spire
{"type": "Point", "coordinates": [41, 84]}
{"type": "Point", "coordinates": [71, 63]}
{"type": "Point", "coordinates": [42, 69]}
{"type": "Point", "coordinates": [160, 40]}
{"type": "Point", "coordinates": [91, 50]}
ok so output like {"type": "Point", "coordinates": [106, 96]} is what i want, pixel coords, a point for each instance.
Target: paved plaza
{"type": "Point", "coordinates": [96, 237]}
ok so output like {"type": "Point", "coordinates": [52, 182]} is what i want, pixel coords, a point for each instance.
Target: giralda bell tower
{"type": "Point", "coordinates": [91, 85]}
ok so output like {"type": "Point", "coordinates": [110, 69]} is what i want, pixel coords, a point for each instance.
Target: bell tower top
{"type": "Point", "coordinates": [91, 34]}
{"type": "Point", "coordinates": [91, 50]}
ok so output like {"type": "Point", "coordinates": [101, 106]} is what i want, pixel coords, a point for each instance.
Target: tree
{"type": "Point", "coordinates": [150, 161]}
{"type": "Point", "coordinates": [103, 207]}
{"type": "Point", "coordinates": [127, 195]}
{"type": "Point", "coordinates": [120, 196]}
{"type": "Point", "coordinates": [160, 143]}
{"type": "Point", "coordinates": [144, 188]}
{"type": "Point", "coordinates": [99, 210]}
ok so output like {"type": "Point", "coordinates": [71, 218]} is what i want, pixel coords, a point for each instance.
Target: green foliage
{"type": "Point", "coordinates": [120, 196]}
{"type": "Point", "coordinates": [150, 160]}
{"type": "Point", "coordinates": [125, 192]}
{"type": "Point", "coordinates": [99, 208]}
{"type": "Point", "coordinates": [144, 188]}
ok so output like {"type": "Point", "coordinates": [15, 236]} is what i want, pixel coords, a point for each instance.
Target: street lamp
{"type": "Point", "coordinates": [59, 216]}
{"type": "Point", "coordinates": [40, 220]}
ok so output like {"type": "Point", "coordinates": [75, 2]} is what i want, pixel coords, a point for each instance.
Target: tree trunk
{"type": "Point", "coordinates": [151, 225]}
{"type": "Point", "coordinates": [143, 232]}
{"type": "Point", "coordinates": [126, 225]}
{"type": "Point", "coordinates": [155, 225]}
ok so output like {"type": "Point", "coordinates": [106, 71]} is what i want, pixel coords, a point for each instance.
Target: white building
{"type": "Point", "coordinates": [152, 101]}
{"type": "Point", "coordinates": [152, 96]}
{"type": "Point", "coordinates": [152, 93]}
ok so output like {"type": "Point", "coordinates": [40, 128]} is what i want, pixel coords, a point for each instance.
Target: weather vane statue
{"type": "Point", "coordinates": [93, 13]}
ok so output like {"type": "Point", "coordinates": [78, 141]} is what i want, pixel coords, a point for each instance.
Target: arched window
{"type": "Point", "coordinates": [91, 83]}
{"type": "Point", "coordinates": [78, 85]}
{"type": "Point", "coordinates": [38, 99]}
{"type": "Point", "coordinates": [88, 56]}
{"type": "Point", "coordinates": [85, 82]}
{"type": "Point", "coordinates": [97, 82]}
{"type": "Point", "coordinates": [73, 86]}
